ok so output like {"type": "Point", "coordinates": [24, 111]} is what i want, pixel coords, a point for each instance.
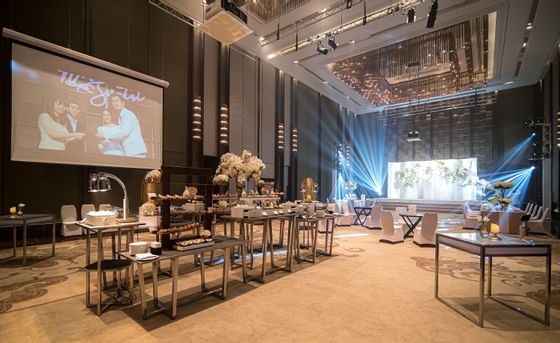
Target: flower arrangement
{"type": "Point", "coordinates": [239, 167]}
{"type": "Point", "coordinates": [350, 185]}
{"type": "Point", "coordinates": [499, 198]}
{"type": "Point", "coordinates": [484, 223]}
{"type": "Point", "coordinates": [153, 176]}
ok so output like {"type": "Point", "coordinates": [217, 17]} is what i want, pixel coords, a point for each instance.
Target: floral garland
{"type": "Point", "coordinates": [239, 167]}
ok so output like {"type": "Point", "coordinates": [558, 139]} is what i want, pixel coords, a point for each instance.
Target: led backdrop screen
{"type": "Point", "coordinates": [64, 111]}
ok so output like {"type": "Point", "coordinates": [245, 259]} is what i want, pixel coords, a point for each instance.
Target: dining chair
{"type": "Point", "coordinates": [425, 233]}
{"type": "Point", "coordinates": [390, 233]}
{"type": "Point", "coordinates": [537, 225]}
{"type": "Point", "coordinates": [374, 219]}
{"type": "Point", "coordinates": [398, 212]}
{"type": "Point", "coordinates": [85, 209]}
{"type": "Point", "coordinates": [69, 218]}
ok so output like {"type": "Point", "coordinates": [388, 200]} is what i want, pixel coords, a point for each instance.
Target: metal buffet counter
{"type": "Point", "coordinates": [487, 248]}
{"type": "Point", "coordinates": [223, 243]}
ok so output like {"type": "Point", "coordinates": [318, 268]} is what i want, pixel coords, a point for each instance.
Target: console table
{"type": "Point", "coordinates": [223, 243]}
{"type": "Point", "coordinates": [486, 248]}
{"type": "Point", "coordinates": [24, 221]}
{"type": "Point", "coordinates": [103, 264]}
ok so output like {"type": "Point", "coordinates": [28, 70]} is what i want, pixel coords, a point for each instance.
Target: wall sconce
{"type": "Point", "coordinates": [224, 124]}
{"type": "Point", "coordinates": [197, 118]}
{"type": "Point", "coordinates": [280, 136]}
{"type": "Point", "coordinates": [295, 140]}
{"type": "Point", "coordinates": [99, 182]}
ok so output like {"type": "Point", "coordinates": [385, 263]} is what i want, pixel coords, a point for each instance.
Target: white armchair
{"type": "Point", "coordinates": [425, 235]}
{"type": "Point", "coordinates": [537, 225]}
{"type": "Point", "coordinates": [85, 209]}
{"type": "Point", "coordinates": [69, 218]}
{"type": "Point", "coordinates": [390, 233]}
{"type": "Point", "coordinates": [347, 217]}
{"type": "Point", "coordinates": [374, 219]}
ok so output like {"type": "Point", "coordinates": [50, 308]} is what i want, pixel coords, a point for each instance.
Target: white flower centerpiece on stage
{"type": "Point", "coordinates": [239, 168]}
{"type": "Point", "coordinates": [499, 198]}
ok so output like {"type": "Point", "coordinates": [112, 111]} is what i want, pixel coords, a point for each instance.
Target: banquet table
{"type": "Point", "coordinates": [362, 212]}
{"type": "Point", "coordinates": [487, 249]}
{"type": "Point", "coordinates": [25, 221]}
{"type": "Point", "coordinates": [412, 221]}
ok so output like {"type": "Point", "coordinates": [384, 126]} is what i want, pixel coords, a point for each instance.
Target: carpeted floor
{"type": "Point", "coordinates": [368, 291]}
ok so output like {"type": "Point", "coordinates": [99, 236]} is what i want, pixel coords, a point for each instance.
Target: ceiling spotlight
{"type": "Point", "coordinates": [432, 15]}
{"type": "Point", "coordinates": [322, 49]}
{"type": "Point", "coordinates": [261, 39]}
{"type": "Point", "coordinates": [349, 4]}
{"type": "Point", "coordinates": [352, 41]}
{"type": "Point", "coordinates": [296, 61]}
{"type": "Point", "coordinates": [332, 43]}
{"type": "Point", "coordinates": [410, 16]}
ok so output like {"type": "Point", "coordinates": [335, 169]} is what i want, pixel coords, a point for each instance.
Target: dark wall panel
{"type": "Point", "coordinates": [329, 138]}
{"type": "Point", "coordinates": [308, 122]}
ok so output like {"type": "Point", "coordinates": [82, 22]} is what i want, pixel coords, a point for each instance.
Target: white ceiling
{"type": "Point", "coordinates": [511, 23]}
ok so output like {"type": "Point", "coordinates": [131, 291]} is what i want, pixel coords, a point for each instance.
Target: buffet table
{"type": "Point", "coordinates": [103, 264]}
{"type": "Point", "coordinates": [26, 220]}
{"type": "Point", "coordinates": [223, 243]}
{"type": "Point", "coordinates": [486, 248]}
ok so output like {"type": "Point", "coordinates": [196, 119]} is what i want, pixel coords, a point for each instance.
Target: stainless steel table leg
{"type": "Point", "coordinates": [547, 287]}
{"type": "Point", "coordinates": [243, 250]}
{"type": "Point", "coordinates": [489, 276]}
{"type": "Point", "coordinates": [142, 290]}
{"type": "Point", "coordinates": [53, 234]}
{"type": "Point", "coordinates": [174, 287]}
{"type": "Point", "coordinates": [155, 268]}
{"type": "Point", "coordinates": [290, 252]}
{"type": "Point", "coordinates": [436, 291]}
{"type": "Point", "coordinates": [269, 230]}
{"type": "Point", "coordinates": [131, 283]}
{"type": "Point", "coordinates": [202, 276]}
{"type": "Point", "coordinates": [15, 241]}
{"type": "Point", "coordinates": [99, 283]}
{"type": "Point", "coordinates": [314, 237]}
{"type": "Point", "coordinates": [225, 272]}
{"type": "Point", "coordinates": [264, 252]}
{"type": "Point", "coordinates": [24, 242]}
{"type": "Point", "coordinates": [88, 235]}
{"type": "Point", "coordinates": [481, 290]}
{"type": "Point", "coordinates": [332, 236]}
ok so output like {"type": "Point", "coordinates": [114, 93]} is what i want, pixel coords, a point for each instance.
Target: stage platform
{"type": "Point", "coordinates": [422, 205]}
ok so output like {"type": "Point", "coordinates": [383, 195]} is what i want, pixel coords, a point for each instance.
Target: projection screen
{"type": "Point", "coordinates": [65, 111]}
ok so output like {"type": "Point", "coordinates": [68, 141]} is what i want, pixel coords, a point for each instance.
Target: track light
{"type": "Point", "coordinates": [432, 15]}
{"type": "Point", "coordinates": [332, 42]}
{"type": "Point", "coordinates": [322, 49]}
{"type": "Point", "coordinates": [410, 16]}
{"type": "Point", "coordinates": [413, 136]}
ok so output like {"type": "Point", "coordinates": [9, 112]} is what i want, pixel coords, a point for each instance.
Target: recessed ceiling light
{"type": "Point", "coordinates": [269, 56]}
{"type": "Point", "coordinates": [529, 26]}
{"type": "Point", "coordinates": [261, 39]}
{"type": "Point", "coordinates": [509, 82]}
{"type": "Point", "coordinates": [296, 61]}
{"type": "Point", "coordinates": [524, 44]}
{"type": "Point", "coordinates": [347, 97]}
{"type": "Point", "coordinates": [352, 41]}
{"type": "Point", "coordinates": [325, 82]}
{"type": "Point", "coordinates": [323, 10]}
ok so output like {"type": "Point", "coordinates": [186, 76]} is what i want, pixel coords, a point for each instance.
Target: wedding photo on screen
{"type": "Point", "coordinates": [64, 111]}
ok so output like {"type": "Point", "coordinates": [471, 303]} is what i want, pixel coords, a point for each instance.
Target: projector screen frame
{"type": "Point", "coordinates": [101, 65]}
{"type": "Point", "coordinates": [81, 57]}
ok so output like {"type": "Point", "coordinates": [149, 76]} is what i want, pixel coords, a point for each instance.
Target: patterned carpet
{"type": "Point", "coordinates": [390, 273]}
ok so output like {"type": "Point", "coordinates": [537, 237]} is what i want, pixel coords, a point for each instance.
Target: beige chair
{"type": "Point", "coordinates": [347, 217]}
{"type": "Point", "coordinates": [105, 207]}
{"type": "Point", "coordinates": [374, 219]}
{"type": "Point", "coordinates": [425, 235]}
{"type": "Point", "coordinates": [87, 208]}
{"type": "Point", "coordinates": [537, 225]}
{"type": "Point", "coordinates": [398, 211]}
{"type": "Point", "coordinates": [390, 233]}
{"type": "Point", "coordinates": [412, 209]}
{"type": "Point", "coordinates": [69, 219]}
{"type": "Point", "coordinates": [470, 217]}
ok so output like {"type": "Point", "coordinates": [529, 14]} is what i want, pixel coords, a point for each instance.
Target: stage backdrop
{"type": "Point", "coordinates": [434, 180]}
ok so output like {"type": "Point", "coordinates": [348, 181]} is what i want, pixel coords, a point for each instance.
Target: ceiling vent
{"type": "Point", "coordinates": [225, 22]}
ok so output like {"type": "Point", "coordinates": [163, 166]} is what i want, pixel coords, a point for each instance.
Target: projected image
{"type": "Point", "coordinates": [64, 111]}
{"type": "Point", "coordinates": [434, 180]}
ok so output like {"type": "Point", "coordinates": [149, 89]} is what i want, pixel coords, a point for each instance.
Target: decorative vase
{"type": "Point", "coordinates": [484, 230]}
